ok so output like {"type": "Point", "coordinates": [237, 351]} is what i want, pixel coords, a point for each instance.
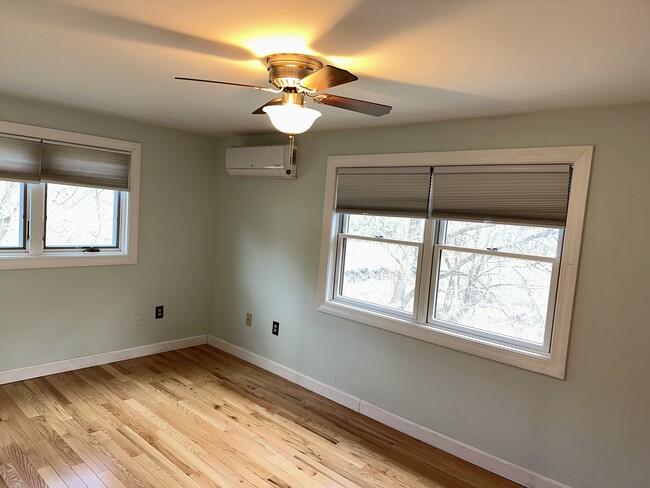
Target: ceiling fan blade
{"type": "Point", "coordinates": [275, 101]}
{"type": "Point", "coordinates": [224, 83]}
{"type": "Point", "coordinates": [361, 106]}
{"type": "Point", "coordinates": [327, 77]}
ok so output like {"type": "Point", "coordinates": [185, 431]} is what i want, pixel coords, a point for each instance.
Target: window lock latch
{"type": "Point", "coordinates": [91, 249]}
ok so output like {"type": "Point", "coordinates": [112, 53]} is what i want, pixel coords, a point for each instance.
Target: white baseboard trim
{"type": "Point", "coordinates": [463, 451]}
{"type": "Point", "coordinates": [459, 449]}
{"type": "Point", "coordinates": [55, 367]}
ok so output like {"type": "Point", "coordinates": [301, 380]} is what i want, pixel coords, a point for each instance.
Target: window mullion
{"type": "Point", "coordinates": [336, 285]}
{"type": "Point", "coordinates": [426, 270]}
{"type": "Point", "coordinates": [36, 218]}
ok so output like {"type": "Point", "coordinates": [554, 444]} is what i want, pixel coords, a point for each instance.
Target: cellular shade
{"type": "Point", "coordinates": [20, 159]}
{"type": "Point", "coordinates": [398, 191]}
{"type": "Point", "coordinates": [534, 194]}
{"type": "Point", "coordinates": [85, 166]}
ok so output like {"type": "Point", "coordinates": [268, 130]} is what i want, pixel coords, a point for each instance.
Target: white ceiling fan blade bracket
{"type": "Point", "coordinates": [306, 91]}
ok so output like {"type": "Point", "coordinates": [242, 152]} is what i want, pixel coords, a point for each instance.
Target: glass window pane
{"type": "Point", "coordinates": [81, 217]}
{"type": "Point", "coordinates": [380, 273]}
{"type": "Point", "coordinates": [535, 241]}
{"type": "Point", "coordinates": [12, 214]}
{"type": "Point", "coordinates": [496, 294]}
{"type": "Point", "coordinates": [396, 228]}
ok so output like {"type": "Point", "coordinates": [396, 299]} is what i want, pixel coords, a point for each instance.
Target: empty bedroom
{"type": "Point", "coordinates": [357, 243]}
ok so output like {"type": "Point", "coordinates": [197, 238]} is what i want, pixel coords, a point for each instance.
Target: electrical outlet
{"type": "Point", "coordinates": [249, 319]}
{"type": "Point", "coordinates": [159, 312]}
{"type": "Point", "coordinates": [276, 328]}
{"type": "Point", "coordinates": [138, 314]}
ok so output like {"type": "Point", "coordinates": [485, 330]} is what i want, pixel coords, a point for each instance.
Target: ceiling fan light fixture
{"type": "Point", "coordinates": [291, 118]}
{"type": "Point", "coordinates": [297, 77]}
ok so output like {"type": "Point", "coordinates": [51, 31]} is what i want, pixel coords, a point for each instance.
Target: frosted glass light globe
{"type": "Point", "coordinates": [291, 118]}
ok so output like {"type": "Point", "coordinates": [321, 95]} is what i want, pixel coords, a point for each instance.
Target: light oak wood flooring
{"type": "Point", "coordinates": [198, 417]}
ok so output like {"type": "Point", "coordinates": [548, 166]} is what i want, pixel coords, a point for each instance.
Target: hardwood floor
{"type": "Point", "coordinates": [201, 418]}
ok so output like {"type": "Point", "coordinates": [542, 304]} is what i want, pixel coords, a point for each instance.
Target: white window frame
{"type": "Point", "coordinates": [551, 362]}
{"type": "Point", "coordinates": [336, 296]}
{"type": "Point", "coordinates": [554, 261]}
{"type": "Point", "coordinates": [34, 256]}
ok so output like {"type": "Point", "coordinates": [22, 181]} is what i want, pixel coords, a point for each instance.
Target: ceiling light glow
{"type": "Point", "coordinates": [263, 44]}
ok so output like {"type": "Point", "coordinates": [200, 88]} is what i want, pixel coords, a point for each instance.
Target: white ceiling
{"type": "Point", "coordinates": [429, 59]}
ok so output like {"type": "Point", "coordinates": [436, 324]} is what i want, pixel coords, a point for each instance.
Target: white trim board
{"type": "Point", "coordinates": [55, 367]}
{"type": "Point", "coordinates": [463, 451]}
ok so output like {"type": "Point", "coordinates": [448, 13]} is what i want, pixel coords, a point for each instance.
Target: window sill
{"type": "Point", "coordinates": [65, 260]}
{"type": "Point", "coordinates": [525, 359]}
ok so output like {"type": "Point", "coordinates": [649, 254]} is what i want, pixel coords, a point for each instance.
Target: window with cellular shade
{"type": "Point", "coordinates": [85, 166]}
{"type": "Point", "coordinates": [534, 194]}
{"type": "Point", "coordinates": [396, 191]}
{"type": "Point", "coordinates": [20, 159]}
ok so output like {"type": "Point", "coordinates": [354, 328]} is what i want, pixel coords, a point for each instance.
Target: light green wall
{"type": "Point", "coordinates": [590, 430]}
{"type": "Point", "coordinates": [53, 314]}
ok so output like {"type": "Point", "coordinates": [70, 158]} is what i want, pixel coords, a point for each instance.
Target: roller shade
{"type": "Point", "coordinates": [398, 191]}
{"type": "Point", "coordinates": [20, 159]}
{"type": "Point", "coordinates": [85, 166]}
{"type": "Point", "coordinates": [534, 194]}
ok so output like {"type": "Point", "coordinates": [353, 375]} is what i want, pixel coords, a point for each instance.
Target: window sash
{"type": "Point", "coordinates": [120, 198]}
{"type": "Point", "coordinates": [23, 230]}
{"type": "Point", "coordinates": [441, 237]}
{"type": "Point", "coordinates": [483, 334]}
{"type": "Point", "coordinates": [340, 265]}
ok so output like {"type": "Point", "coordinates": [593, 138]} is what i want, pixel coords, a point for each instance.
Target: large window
{"type": "Point", "coordinates": [467, 250]}
{"type": "Point", "coordinates": [66, 199]}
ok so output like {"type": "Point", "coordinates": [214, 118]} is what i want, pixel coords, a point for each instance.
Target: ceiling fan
{"type": "Point", "coordinates": [300, 77]}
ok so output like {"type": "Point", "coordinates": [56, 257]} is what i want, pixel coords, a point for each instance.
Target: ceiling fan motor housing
{"type": "Point", "coordinates": [286, 70]}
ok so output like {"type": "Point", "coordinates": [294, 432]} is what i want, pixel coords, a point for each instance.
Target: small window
{"type": "Point", "coordinates": [66, 199]}
{"type": "Point", "coordinates": [12, 215]}
{"type": "Point", "coordinates": [476, 251]}
{"type": "Point", "coordinates": [380, 260]}
{"type": "Point", "coordinates": [81, 217]}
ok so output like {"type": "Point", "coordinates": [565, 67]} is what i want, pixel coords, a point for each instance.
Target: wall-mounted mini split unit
{"type": "Point", "coordinates": [262, 161]}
